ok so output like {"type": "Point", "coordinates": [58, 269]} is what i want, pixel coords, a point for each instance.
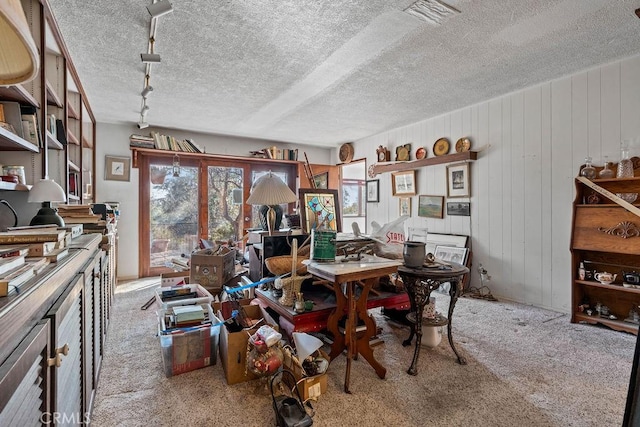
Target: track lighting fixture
{"type": "Point", "coordinates": [147, 87]}
{"type": "Point", "coordinates": [160, 8]}
{"type": "Point", "coordinates": [144, 110]}
{"type": "Point", "coordinates": [150, 57]}
{"type": "Point", "coordinates": [143, 125]}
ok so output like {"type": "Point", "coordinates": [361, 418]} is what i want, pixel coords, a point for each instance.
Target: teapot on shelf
{"type": "Point", "coordinates": [605, 277]}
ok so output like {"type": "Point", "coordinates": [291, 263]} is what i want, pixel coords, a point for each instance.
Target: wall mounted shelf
{"type": "Point", "coordinates": [169, 153]}
{"type": "Point", "coordinates": [379, 168]}
{"type": "Point", "coordinates": [12, 142]}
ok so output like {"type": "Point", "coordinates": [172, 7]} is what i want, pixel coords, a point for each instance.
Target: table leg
{"type": "Point", "coordinates": [363, 342]}
{"type": "Point", "coordinates": [413, 369]}
{"type": "Point", "coordinates": [410, 289]}
{"type": "Point", "coordinates": [332, 323]}
{"type": "Point", "coordinates": [350, 335]}
{"type": "Point", "coordinates": [454, 293]}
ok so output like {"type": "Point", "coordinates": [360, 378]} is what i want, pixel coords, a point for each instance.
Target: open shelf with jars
{"type": "Point", "coordinates": [605, 237]}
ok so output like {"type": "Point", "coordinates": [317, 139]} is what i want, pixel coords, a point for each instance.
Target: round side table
{"type": "Point", "coordinates": [419, 283]}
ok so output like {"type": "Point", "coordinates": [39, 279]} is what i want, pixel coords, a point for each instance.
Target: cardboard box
{"type": "Point", "coordinates": [174, 278]}
{"type": "Point", "coordinates": [309, 387]}
{"type": "Point", "coordinates": [233, 345]}
{"type": "Point", "coordinates": [203, 297]}
{"type": "Point", "coordinates": [213, 271]}
{"type": "Point", "coordinates": [223, 309]}
{"type": "Point", "coordinates": [186, 351]}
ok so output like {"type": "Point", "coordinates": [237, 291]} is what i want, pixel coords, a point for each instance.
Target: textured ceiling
{"type": "Point", "coordinates": [323, 72]}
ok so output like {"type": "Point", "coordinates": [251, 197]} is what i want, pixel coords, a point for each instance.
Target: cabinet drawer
{"type": "Point", "coordinates": [606, 228]}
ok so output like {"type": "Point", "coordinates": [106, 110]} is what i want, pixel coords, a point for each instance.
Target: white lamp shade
{"type": "Point", "coordinates": [47, 190]}
{"type": "Point", "coordinates": [270, 190]}
{"type": "Point", "coordinates": [305, 344]}
{"type": "Point", "coordinates": [19, 60]}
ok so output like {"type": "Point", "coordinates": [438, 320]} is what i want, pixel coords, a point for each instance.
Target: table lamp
{"type": "Point", "coordinates": [19, 57]}
{"type": "Point", "coordinates": [45, 192]}
{"type": "Point", "coordinates": [271, 191]}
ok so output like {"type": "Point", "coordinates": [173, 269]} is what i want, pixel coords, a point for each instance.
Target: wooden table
{"type": "Point", "coordinates": [419, 283]}
{"type": "Point", "coordinates": [345, 276]}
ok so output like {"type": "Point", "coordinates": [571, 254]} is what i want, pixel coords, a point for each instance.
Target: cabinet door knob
{"type": "Point", "coordinates": [64, 349]}
{"type": "Point", "coordinates": [55, 361]}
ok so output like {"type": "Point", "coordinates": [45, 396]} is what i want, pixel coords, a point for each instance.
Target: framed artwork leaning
{"type": "Point", "coordinates": [321, 180]}
{"type": "Point", "coordinates": [319, 208]}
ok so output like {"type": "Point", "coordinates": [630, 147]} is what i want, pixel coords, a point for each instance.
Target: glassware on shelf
{"type": "Point", "coordinates": [607, 171]}
{"type": "Point", "coordinates": [588, 171]}
{"type": "Point", "coordinates": [625, 170]}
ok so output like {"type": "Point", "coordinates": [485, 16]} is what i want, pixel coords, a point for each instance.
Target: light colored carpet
{"type": "Point", "coordinates": [526, 367]}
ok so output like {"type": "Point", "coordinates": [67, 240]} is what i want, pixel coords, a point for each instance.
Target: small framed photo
{"type": "Point", "coordinates": [373, 190]}
{"type": "Point", "coordinates": [430, 206]}
{"type": "Point", "coordinates": [404, 183]}
{"type": "Point", "coordinates": [321, 180]}
{"type": "Point", "coordinates": [459, 208]}
{"type": "Point", "coordinates": [458, 180]}
{"type": "Point", "coordinates": [452, 254]}
{"type": "Point", "coordinates": [404, 206]}
{"type": "Point", "coordinates": [117, 168]}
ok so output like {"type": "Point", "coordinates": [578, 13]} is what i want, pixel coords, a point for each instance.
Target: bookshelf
{"type": "Point", "coordinates": [55, 127]}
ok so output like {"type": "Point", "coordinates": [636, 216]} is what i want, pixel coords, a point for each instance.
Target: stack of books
{"type": "Point", "coordinates": [164, 142]}
{"type": "Point", "coordinates": [26, 251]}
{"type": "Point", "coordinates": [79, 214]}
{"type": "Point", "coordinates": [188, 315]}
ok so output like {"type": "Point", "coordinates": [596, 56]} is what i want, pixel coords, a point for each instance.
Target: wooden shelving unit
{"type": "Point", "coordinates": [55, 92]}
{"type": "Point", "coordinates": [605, 237]}
{"type": "Point", "coordinates": [379, 168]}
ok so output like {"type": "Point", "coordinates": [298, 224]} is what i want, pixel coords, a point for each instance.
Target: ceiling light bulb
{"type": "Point", "coordinates": [146, 91]}
{"type": "Point", "coordinates": [160, 8]}
{"type": "Point", "coordinates": [150, 58]}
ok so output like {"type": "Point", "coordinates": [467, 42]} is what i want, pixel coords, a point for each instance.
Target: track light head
{"type": "Point", "coordinates": [150, 58]}
{"type": "Point", "coordinates": [160, 8]}
{"type": "Point", "coordinates": [143, 125]}
{"type": "Point", "coordinates": [144, 110]}
{"type": "Point", "coordinates": [146, 91]}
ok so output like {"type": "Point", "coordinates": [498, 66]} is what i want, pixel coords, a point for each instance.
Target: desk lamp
{"type": "Point", "coordinates": [45, 192]}
{"type": "Point", "coordinates": [270, 191]}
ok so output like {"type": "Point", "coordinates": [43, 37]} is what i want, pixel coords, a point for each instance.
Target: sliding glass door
{"type": "Point", "coordinates": [202, 199]}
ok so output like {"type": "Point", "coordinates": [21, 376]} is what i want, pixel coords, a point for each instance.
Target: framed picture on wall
{"type": "Point", "coordinates": [373, 190]}
{"type": "Point", "coordinates": [403, 183]}
{"type": "Point", "coordinates": [319, 208]}
{"type": "Point", "coordinates": [459, 208]}
{"type": "Point", "coordinates": [430, 206]}
{"type": "Point", "coordinates": [458, 180]}
{"type": "Point", "coordinates": [404, 206]}
{"type": "Point", "coordinates": [117, 168]}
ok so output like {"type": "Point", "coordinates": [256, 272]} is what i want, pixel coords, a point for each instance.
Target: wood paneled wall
{"type": "Point", "coordinates": [532, 143]}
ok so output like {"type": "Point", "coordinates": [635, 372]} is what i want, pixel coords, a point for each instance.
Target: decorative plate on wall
{"type": "Point", "coordinates": [346, 152]}
{"type": "Point", "coordinates": [421, 153]}
{"type": "Point", "coordinates": [441, 147]}
{"type": "Point", "coordinates": [403, 153]}
{"type": "Point", "coordinates": [462, 145]}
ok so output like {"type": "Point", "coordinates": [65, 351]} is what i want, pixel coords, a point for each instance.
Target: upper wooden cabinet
{"type": "Point", "coordinates": [50, 116]}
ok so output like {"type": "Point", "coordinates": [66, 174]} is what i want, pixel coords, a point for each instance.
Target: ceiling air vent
{"type": "Point", "coordinates": [432, 11]}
